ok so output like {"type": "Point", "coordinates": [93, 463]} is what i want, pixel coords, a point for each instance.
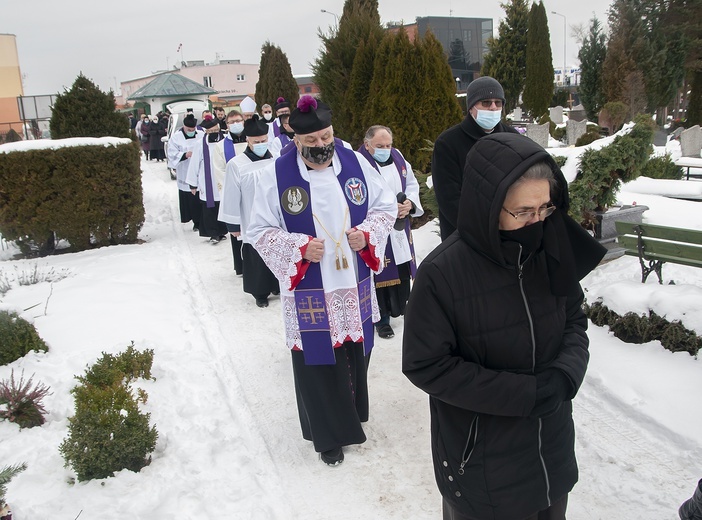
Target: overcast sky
{"type": "Point", "coordinates": [110, 42]}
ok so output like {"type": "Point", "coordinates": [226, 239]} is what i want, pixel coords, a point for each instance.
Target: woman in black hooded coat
{"type": "Point", "coordinates": [495, 334]}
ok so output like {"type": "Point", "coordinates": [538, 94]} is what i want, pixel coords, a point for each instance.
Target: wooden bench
{"type": "Point", "coordinates": [655, 245]}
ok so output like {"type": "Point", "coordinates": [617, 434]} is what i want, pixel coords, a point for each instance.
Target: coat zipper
{"type": "Point", "coordinates": [470, 444]}
{"type": "Point", "coordinates": [533, 364]}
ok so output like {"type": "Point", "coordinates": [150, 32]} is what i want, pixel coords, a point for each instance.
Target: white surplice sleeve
{"type": "Point", "coordinates": [230, 204]}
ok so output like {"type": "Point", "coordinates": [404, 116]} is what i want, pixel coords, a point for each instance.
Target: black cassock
{"type": "Point", "coordinates": [332, 400]}
{"type": "Point", "coordinates": [259, 281]}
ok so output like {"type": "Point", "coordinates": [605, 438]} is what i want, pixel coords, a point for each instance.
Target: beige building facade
{"type": "Point", "coordinates": [10, 85]}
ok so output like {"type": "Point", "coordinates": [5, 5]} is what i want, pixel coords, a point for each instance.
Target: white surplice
{"type": "Point", "coordinates": [239, 189]}
{"type": "Point", "coordinates": [281, 250]}
{"type": "Point", "coordinates": [178, 145]}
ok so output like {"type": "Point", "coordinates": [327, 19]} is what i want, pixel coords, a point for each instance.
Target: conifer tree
{"type": "Point", "coordinates": [415, 96]}
{"type": "Point", "coordinates": [86, 111]}
{"type": "Point", "coordinates": [275, 78]}
{"type": "Point", "coordinates": [538, 88]}
{"type": "Point", "coordinates": [506, 57]}
{"type": "Point", "coordinates": [687, 15]}
{"type": "Point", "coordinates": [358, 91]}
{"type": "Point", "coordinates": [332, 68]}
{"type": "Point", "coordinates": [591, 56]}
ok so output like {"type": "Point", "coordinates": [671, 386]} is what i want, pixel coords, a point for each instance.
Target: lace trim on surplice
{"type": "Point", "coordinates": [281, 251]}
{"type": "Point", "coordinates": [344, 317]}
{"type": "Point", "coordinates": [377, 225]}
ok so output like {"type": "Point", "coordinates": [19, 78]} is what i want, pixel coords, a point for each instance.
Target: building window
{"type": "Point", "coordinates": [207, 81]}
{"type": "Point", "coordinates": [467, 35]}
{"type": "Point", "coordinates": [308, 90]}
{"type": "Point", "coordinates": [241, 77]}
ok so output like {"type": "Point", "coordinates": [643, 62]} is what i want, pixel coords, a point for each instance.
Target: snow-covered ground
{"type": "Point", "coordinates": [223, 402]}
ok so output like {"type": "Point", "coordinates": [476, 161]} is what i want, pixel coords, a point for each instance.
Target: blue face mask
{"type": "Point", "coordinates": [190, 134]}
{"type": "Point", "coordinates": [381, 154]}
{"type": "Point", "coordinates": [488, 119]}
{"type": "Point", "coordinates": [260, 149]}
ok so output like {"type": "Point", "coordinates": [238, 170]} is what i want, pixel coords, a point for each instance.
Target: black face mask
{"type": "Point", "coordinates": [318, 154]}
{"type": "Point", "coordinates": [529, 237]}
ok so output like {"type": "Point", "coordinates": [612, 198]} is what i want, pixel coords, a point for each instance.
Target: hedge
{"type": "Point", "coordinates": [89, 195]}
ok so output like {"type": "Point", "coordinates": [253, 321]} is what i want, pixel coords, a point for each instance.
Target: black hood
{"type": "Point", "coordinates": [493, 164]}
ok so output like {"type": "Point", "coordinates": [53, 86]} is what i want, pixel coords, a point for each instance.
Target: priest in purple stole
{"type": "Point", "coordinates": [320, 221]}
{"type": "Point", "coordinates": [392, 286]}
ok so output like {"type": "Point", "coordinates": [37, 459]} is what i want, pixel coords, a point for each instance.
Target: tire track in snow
{"type": "Point", "coordinates": [622, 456]}
{"type": "Point", "coordinates": [208, 328]}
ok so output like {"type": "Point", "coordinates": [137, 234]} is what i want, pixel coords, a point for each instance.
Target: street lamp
{"type": "Point", "coordinates": [564, 44]}
{"type": "Point", "coordinates": [336, 18]}
{"type": "Point", "coordinates": [458, 83]}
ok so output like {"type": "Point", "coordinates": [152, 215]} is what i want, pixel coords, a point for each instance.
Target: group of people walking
{"type": "Point", "coordinates": [149, 130]}
{"type": "Point", "coordinates": [494, 331]}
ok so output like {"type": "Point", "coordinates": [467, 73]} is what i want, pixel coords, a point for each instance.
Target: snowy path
{"type": "Point", "coordinates": [223, 402]}
{"type": "Point", "coordinates": [622, 456]}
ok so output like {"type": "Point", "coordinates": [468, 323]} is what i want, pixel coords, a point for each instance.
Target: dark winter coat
{"type": "Point", "coordinates": [478, 327]}
{"type": "Point", "coordinates": [145, 137]}
{"type": "Point", "coordinates": [448, 164]}
{"type": "Point", "coordinates": [156, 131]}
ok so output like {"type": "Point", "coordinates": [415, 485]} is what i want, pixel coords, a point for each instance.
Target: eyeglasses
{"type": "Point", "coordinates": [527, 216]}
{"type": "Point", "coordinates": [487, 103]}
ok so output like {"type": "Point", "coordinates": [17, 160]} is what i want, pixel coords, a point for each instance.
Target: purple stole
{"type": "Point", "coordinates": [229, 151]}
{"type": "Point", "coordinates": [209, 193]}
{"type": "Point", "coordinates": [310, 301]}
{"type": "Point", "coordinates": [276, 128]}
{"type": "Point", "coordinates": [284, 140]}
{"type": "Point", "coordinates": [390, 275]}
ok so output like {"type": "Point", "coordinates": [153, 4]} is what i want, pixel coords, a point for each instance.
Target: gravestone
{"type": "Point", "coordinates": [538, 134]}
{"type": "Point", "coordinates": [517, 114]}
{"type": "Point", "coordinates": [556, 114]}
{"type": "Point", "coordinates": [574, 129]}
{"type": "Point", "coordinates": [577, 113]}
{"type": "Point", "coordinates": [691, 141]}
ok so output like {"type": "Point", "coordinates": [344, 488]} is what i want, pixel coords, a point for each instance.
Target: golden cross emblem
{"type": "Point", "coordinates": [309, 312]}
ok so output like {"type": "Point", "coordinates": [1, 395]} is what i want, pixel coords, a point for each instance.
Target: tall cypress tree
{"type": "Point", "coordinates": [415, 96]}
{"type": "Point", "coordinates": [687, 15]}
{"type": "Point", "coordinates": [332, 68]}
{"type": "Point", "coordinates": [358, 91]}
{"type": "Point", "coordinates": [86, 111]}
{"type": "Point", "coordinates": [275, 78]}
{"type": "Point", "coordinates": [506, 57]}
{"type": "Point", "coordinates": [538, 89]}
{"type": "Point", "coordinates": [591, 56]}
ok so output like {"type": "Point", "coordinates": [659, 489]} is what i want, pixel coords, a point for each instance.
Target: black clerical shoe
{"type": "Point", "coordinates": [195, 228]}
{"type": "Point", "coordinates": [214, 240]}
{"type": "Point", "coordinates": [261, 302]}
{"type": "Point", "coordinates": [332, 457]}
{"type": "Point", "coordinates": [386, 332]}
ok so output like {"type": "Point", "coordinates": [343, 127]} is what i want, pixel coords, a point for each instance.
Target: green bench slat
{"type": "Point", "coordinates": [692, 236]}
{"type": "Point", "coordinates": [667, 251]}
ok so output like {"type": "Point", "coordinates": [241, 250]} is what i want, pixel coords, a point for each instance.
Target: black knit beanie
{"type": "Point", "coordinates": [484, 87]}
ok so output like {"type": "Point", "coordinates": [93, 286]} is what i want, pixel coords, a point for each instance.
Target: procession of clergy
{"type": "Point", "coordinates": [322, 225]}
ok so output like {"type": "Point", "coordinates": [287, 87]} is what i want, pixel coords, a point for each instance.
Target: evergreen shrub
{"type": "Point", "coordinates": [6, 474]}
{"type": "Point", "coordinates": [635, 328]}
{"type": "Point", "coordinates": [126, 366]}
{"type": "Point", "coordinates": [108, 433]}
{"type": "Point", "coordinates": [90, 195]}
{"type": "Point", "coordinates": [86, 111]}
{"type": "Point", "coordinates": [601, 172]}
{"type": "Point", "coordinates": [560, 160]}
{"type": "Point", "coordinates": [17, 338]}
{"type": "Point", "coordinates": [21, 402]}
{"type": "Point", "coordinates": [662, 168]}
{"type": "Point", "coordinates": [588, 137]}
